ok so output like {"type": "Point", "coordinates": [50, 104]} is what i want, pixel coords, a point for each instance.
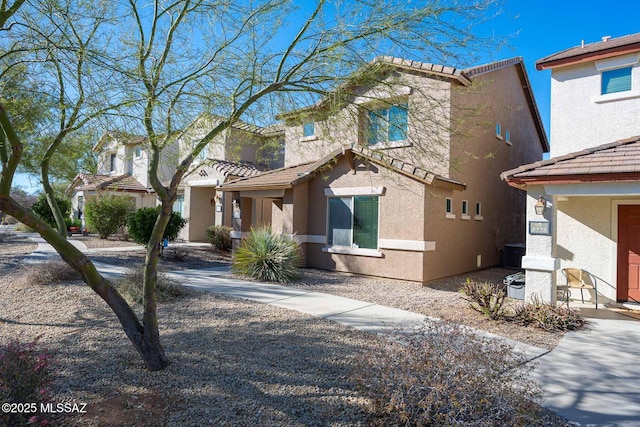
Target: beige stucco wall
{"type": "Point", "coordinates": [400, 218]}
{"type": "Point", "coordinates": [585, 239]}
{"type": "Point", "coordinates": [581, 117]}
{"type": "Point", "coordinates": [478, 159]}
{"type": "Point", "coordinates": [584, 235]}
{"type": "Point", "coordinates": [427, 142]}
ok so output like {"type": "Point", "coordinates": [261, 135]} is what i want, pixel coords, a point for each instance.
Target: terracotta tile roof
{"type": "Point", "coordinates": [288, 177]}
{"type": "Point", "coordinates": [242, 169]}
{"type": "Point", "coordinates": [609, 162]}
{"type": "Point", "coordinates": [285, 177]}
{"type": "Point", "coordinates": [86, 182]}
{"type": "Point", "coordinates": [610, 47]}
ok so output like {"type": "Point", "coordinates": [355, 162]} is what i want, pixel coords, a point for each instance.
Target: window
{"type": "Point", "coordinates": [202, 156]}
{"type": "Point", "coordinates": [353, 222]}
{"type": "Point", "coordinates": [387, 124]}
{"type": "Point", "coordinates": [308, 129]}
{"type": "Point", "coordinates": [448, 207]}
{"type": "Point", "coordinates": [137, 151]}
{"type": "Point", "coordinates": [465, 207]}
{"type": "Point", "coordinates": [507, 136]}
{"type": "Point", "coordinates": [178, 205]}
{"type": "Point", "coordinates": [498, 131]}
{"type": "Point", "coordinates": [112, 162]}
{"type": "Point", "coordinates": [478, 211]}
{"type": "Point", "coordinates": [618, 80]}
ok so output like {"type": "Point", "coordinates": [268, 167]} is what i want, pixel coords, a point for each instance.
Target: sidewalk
{"type": "Point", "coordinates": [590, 378]}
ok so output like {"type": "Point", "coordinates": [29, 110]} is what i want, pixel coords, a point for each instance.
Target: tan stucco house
{"type": "Point", "coordinates": [123, 163]}
{"type": "Point", "coordinates": [402, 180]}
{"type": "Point", "coordinates": [590, 186]}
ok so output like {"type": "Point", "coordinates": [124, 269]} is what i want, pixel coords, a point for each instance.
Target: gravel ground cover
{"type": "Point", "coordinates": [440, 298]}
{"type": "Point", "coordinates": [235, 362]}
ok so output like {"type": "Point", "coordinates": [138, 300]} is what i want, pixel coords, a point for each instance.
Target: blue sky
{"type": "Point", "coordinates": [545, 27]}
{"type": "Point", "coordinates": [540, 28]}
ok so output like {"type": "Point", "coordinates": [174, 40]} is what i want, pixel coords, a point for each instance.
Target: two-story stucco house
{"type": "Point", "coordinates": [402, 179]}
{"type": "Point", "coordinates": [123, 163]}
{"type": "Point", "coordinates": [590, 186]}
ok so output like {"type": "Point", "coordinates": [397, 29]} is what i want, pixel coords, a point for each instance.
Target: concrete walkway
{"type": "Point", "coordinates": [591, 377]}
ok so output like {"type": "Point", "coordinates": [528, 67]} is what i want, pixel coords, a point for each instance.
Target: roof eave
{"type": "Point", "coordinates": [255, 187]}
{"type": "Point", "coordinates": [587, 57]}
{"type": "Point", "coordinates": [523, 182]}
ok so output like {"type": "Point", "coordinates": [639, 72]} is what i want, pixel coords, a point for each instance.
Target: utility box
{"type": "Point", "coordinates": [512, 255]}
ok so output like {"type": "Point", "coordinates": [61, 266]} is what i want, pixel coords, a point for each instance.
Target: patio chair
{"type": "Point", "coordinates": [575, 280]}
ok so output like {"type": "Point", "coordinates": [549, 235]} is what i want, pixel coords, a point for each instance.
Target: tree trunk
{"type": "Point", "coordinates": [145, 338]}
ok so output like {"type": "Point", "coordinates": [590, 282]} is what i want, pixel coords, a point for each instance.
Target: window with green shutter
{"type": "Point", "coordinates": [618, 80]}
{"type": "Point", "coordinates": [353, 222]}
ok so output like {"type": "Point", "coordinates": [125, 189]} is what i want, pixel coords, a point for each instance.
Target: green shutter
{"type": "Point", "coordinates": [616, 80]}
{"type": "Point", "coordinates": [365, 221]}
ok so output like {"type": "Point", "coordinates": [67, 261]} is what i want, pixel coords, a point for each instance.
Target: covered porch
{"type": "Point", "coordinates": [583, 211]}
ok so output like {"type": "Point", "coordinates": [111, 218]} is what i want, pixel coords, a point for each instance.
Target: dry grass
{"type": "Point", "coordinates": [48, 273]}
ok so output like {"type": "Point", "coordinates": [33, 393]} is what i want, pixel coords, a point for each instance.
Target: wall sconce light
{"type": "Point", "coordinates": [540, 206]}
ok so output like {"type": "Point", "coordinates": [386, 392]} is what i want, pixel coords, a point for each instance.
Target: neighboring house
{"type": "Point", "coordinates": [242, 150]}
{"type": "Point", "coordinates": [590, 185]}
{"type": "Point", "coordinates": [122, 168]}
{"type": "Point", "coordinates": [123, 165]}
{"type": "Point", "coordinates": [403, 180]}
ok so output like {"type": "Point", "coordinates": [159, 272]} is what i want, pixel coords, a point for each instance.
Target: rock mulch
{"type": "Point", "coordinates": [235, 362]}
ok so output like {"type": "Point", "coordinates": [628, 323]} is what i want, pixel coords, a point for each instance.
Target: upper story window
{"type": "Point", "coordinates": [137, 151]}
{"type": "Point", "coordinates": [388, 124]}
{"type": "Point", "coordinates": [202, 156]}
{"type": "Point", "coordinates": [112, 162]}
{"type": "Point", "coordinates": [308, 129]}
{"type": "Point", "coordinates": [618, 80]}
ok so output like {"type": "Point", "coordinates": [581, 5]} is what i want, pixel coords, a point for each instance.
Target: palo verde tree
{"type": "Point", "coordinates": [236, 60]}
{"type": "Point", "coordinates": [58, 46]}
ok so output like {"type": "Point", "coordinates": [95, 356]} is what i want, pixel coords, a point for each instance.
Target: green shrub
{"type": "Point", "coordinates": [546, 316]}
{"type": "Point", "coordinates": [487, 298]}
{"type": "Point", "coordinates": [130, 286]}
{"type": "Point", "coordinates": [140, 225]}
{"type": "Point", "coordinates": [25, 374]}
{"type": "Point", "coordinates": [42, 209]}
{"type": "Point", "coordinates": [106, 214]}
{"type": "Point", "coordinates": [220, 237]}
{"type": "Point", "coordinates": [268, 256]}
{"type": "Point", "coordinates": [442, 375]}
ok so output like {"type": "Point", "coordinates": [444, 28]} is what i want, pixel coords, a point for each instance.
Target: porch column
{"type": "Point", "coordinates": [539, 261]}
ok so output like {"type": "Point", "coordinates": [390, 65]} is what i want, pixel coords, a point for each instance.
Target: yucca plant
{"type": "Point", "coordinates": [268, 256]}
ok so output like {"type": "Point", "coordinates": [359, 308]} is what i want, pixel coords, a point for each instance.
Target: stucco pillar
{"type": "Point", "coordinates": [539, 261]}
